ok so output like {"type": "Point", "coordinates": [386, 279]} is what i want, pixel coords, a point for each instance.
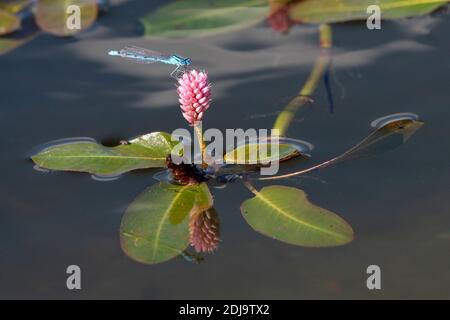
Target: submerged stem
{"type": "Point", "coordinates": [285, 118]}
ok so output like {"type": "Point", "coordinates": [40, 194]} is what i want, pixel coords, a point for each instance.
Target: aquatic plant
{"type": "Point", "coordinates": [178, 212]}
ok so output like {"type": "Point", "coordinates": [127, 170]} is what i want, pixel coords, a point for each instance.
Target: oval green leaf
{"type": "Point", "coordinates": [328, 11]}
{"type": "Point", "coordinates": [8, 22]}
{"type": "Point", "coordinates": [285, 214]}
{"type": "Point", "coordinates": [193, 18]}
{"type": "Point", "coordinates": [53, 16]}
{"type": "Point", "coordinates": [147, 151]}
{"type": "Point", "coordinates": [155, 227]}
{"type": "Point", "coordinates": [261, 153]}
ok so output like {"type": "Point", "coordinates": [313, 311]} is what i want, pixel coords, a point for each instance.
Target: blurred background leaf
{"type": "Point", "coordinates": [51, 16]}
{"type": "Point", "coordinates": [8, 22]}
{"type": "Point", "coordinates": [190, 18]}
{"type": "Point", "coordinates": [327, 11]}
{"type": "Point", "coordinates": [14, 6]}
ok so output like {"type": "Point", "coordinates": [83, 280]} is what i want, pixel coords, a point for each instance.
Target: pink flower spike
{"type": "Point", "coordinates": [194, 91]}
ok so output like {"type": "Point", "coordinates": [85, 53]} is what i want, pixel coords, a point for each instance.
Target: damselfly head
{"type": "Point", "coordinates": [113, 53]}
{"type": "Point", "coordinates": [182, 61]}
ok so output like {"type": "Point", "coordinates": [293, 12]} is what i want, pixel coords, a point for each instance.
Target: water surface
{"type": "Point", "coordinates": [397, 203]}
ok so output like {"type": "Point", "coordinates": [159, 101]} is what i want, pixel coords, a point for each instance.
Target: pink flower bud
{"type": "Point", "coordinates": [195, 95]}
{"type": "Point", "coordinates": [279, 18]}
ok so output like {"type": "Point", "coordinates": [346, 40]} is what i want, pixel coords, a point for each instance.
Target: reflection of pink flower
{"type": "Point", "coordinates": [279, 19]}
{"type": "Point", "coordinates": [204, 233]}
{"type": "Point", "coordinates": [195, 95]}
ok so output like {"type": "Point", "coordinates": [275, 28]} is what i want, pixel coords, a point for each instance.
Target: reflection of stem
{"type": "Point", "coordinates": [285, 118]}
{"type": "Point", "coordinates": [199, 133]}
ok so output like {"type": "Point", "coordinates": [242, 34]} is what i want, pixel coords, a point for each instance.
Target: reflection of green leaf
{"type": "Point", "coordinates": [250, 153]}
{"type": "Point", "coordinates": [52, 16]}
{"type": "Point", "coordinates": [285, 213]}
{"type": "Point", "coordinates": [147, 232]}
{"type": "Point", "coordinates": [199, 17]}
{"type": "Point", "coordinates": [327, 11]}
{"type": "Point", "coordinates": [8, 22]}
{"type": "Point", "coordinates": [148, 151]}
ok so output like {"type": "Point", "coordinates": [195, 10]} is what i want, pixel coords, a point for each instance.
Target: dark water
{"type": "Point", "coordinates": [397, 203]}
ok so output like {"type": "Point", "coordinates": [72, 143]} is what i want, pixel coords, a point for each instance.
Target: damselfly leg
{"type": "Point", "coordinates": [178, 72]}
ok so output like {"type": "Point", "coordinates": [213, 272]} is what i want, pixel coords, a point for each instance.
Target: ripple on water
{"type": "Point", "coordinates": [385, 120]}
{"type": "Point", "coordinates": [105, 178]}
{"type": "Point", "coordinates": [34, 151]}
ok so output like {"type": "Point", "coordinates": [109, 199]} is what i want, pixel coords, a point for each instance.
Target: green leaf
{"type": "Point", "coordinates": [8, 22]}
{"type": "Point", "coordinates": [147, 151]}
{"type": "Point", "coordinates": [155, 227]}
{"type": "Point", "coordinates": [327, 11]}
{"type": "Point", "coordinates": [52, 16]}
{"type": "Point", "coordinates": [250, 153]}
{"type": "Point", "coordinates": [285, 214]}
{"type": "Point", "coordinates": [190, 18]}
{"type": "Point", "coordinates": [388, 136]}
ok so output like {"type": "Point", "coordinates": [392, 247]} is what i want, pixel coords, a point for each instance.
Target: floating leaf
{"type": "Point", "coordinates": [148, 151]}
{"type": "Point", "coordinates": [327, 11]}
{"type": "Point", "coordinates": [261, 153]}
{"type": "Point", "coordinates": [189, 18]}
{"type": "Point", "coordinates": [149, 233]}
{"type": "Point", "coordinates": [285, 214]}
{"type": "Point", "coordinates": [8, 22]}
{"type": "Point", "coordinates": [391, 132]}
{"type": "Point", "coordinates": [52, 16]}
{"type": "Point", "coordinates": [388, 135]}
